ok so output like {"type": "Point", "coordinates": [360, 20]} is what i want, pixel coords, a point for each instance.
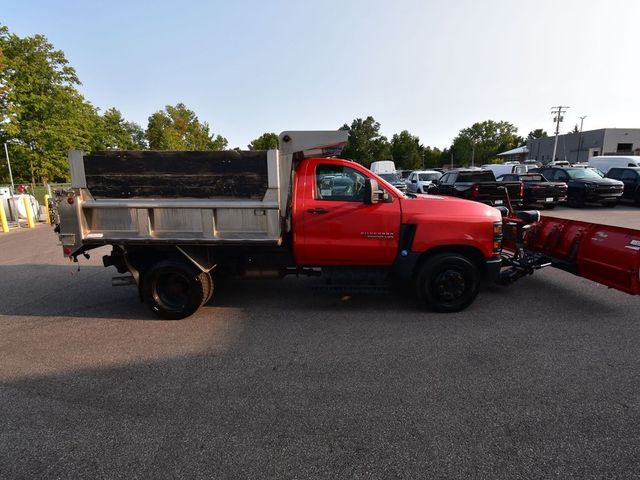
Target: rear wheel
{"type": "Point", "coordinates": [207, 283]}
{"type": "Point", "coordinates": [173, 290]}
{"type": "Point", "coordinates": [448, 282]}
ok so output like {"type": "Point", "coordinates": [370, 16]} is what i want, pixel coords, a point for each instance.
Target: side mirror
{"type": "Point", "coordinates": [372, 192]}
{"type": "Point", "coordinates": [414, 181]}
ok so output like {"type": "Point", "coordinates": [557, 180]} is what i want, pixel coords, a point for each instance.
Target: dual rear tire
{"type": "Point", "coordinates": [174, 290]}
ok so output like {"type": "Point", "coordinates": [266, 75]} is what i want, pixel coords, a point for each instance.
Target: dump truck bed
{"type": "Point", "coordinates": [120, 197]}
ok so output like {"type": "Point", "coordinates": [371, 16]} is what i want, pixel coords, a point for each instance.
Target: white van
{"type": "Point", "coordinates": [507, 168]}
{"type": "Point", "coordinates": [604, 164]}
{"type": "Point", "coordinates": [383, 166]}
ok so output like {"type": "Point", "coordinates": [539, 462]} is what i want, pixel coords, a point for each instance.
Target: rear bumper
{"type": "Point", "coordinates": [546, 198]}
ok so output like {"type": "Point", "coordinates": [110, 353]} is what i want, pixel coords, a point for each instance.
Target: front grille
{"type": "Point", "coordinates": [609, 189]}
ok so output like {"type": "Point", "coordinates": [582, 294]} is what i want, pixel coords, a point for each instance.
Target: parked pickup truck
{"type": "Point", "coordinates": [630, 176]}
{"type": "Point", "coordinates": [585, 185]}
{"type": "Point", "coordinates": [478, 185]}
{"type": "Point", "coordinates": [537, 190]}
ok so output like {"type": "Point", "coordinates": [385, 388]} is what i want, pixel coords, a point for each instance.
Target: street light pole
{"type": "Point", "coordinates": [6, 152]}
{"type": "Point", "coordinates": [580, 139]}
{"type": "Point", "coordinates": [473, 154]}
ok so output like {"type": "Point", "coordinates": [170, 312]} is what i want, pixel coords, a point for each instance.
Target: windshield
{"type": "Point", "coordinates": [583, 174]}
{"type": "Point", "coordinates": [428, 177]}
{"type": "Point", "coordinates": [481, 176]}
{"type": "Point", "coordinates": [389, 177]}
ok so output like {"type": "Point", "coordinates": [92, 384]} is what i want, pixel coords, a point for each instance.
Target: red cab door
{"type": "Point", "coordinates": [333, 224]}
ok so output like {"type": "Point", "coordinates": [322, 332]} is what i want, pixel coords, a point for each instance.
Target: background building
{"type": "Point", "coordinates": [576, 147]}
{"type": "Point", "coordinates": [519, 154]}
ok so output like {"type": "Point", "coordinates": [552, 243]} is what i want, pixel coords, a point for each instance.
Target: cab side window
{"type": "Point", "coordinates": [615, 173]}
{"type": "Point", "coordinates": [447, 179]}
{"type": "Point", "coordinates": [629, 176]}
{"type": "Point", "coordinates": [560, 176]}
{"type": "Point", "coordinates": [339, 183]}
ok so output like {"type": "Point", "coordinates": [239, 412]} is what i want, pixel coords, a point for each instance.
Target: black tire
{"type": "Point", "coordinates": [575, 200]}
{"type": "Point", "coordinates": [173, 290]}
{"type": "Point", "coordinates": [637, 199]}
{"type": "Point", "coordinates": [208, 287]}
{"type": "Point", "coordinates": [419, 190]}
{"type": "Point", "coordinates": [448, 282]}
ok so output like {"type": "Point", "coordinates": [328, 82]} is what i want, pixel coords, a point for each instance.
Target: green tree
{"type": "Point", "coordinates": [433, 157]}
{"type": "Point", "coordinates": [42, 115]}
{"type": "Point", "coordinates": [365, 144]}
{"type": "Point", "coordinates": [178, 128]}
{"type": "Point", "coordinates": [537, 133]}
{"type": "Point", "coordinates": [406, 151]}
{"type": "Point", "coordinates": [484, 140]}
{"type": "Point", "coordinates": [266, 141]}
{"type": "Point", "coordinates": [116, 133]}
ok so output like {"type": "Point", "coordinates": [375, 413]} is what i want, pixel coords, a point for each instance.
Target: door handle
{"type": "Point", "coordinates": [317, 210]}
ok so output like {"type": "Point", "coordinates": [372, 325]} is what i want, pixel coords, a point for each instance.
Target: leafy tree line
{"type": "Point", "coordinates": [43, 115]}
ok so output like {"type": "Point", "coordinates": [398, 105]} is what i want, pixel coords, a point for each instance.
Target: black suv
{"type": "Point", "coordinates": [585, 185]}
{"type": "Point", "coordinates": [630, 176]}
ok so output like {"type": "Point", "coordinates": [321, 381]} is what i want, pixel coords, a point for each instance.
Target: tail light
{"type": "Point", "coordinates": [521, 189]}
{"type": "Point", "coordinates": [475, 191]}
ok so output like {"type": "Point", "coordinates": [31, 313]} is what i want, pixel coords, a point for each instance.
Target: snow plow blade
{"type": "Point", "coordinates": [605, 254]}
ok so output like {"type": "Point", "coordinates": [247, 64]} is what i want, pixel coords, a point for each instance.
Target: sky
{"type": "Point", "coordinates": [431, 67]}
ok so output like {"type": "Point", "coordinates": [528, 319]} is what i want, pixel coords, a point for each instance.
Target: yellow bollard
{"type": "Point", "coordinates": [3, 217]}
{"type": "Point", "coordinates": [46, 209]}
{"type": "Point", "coordinates": [29, 210]}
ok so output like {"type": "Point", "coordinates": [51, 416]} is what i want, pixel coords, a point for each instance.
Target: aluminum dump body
{"type": "Point", "coordinates": [155, 197]}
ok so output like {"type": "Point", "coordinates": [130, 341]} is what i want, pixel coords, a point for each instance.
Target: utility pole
{"type": "Point", "coordinates": [580, 139]}
{"type": "Point", "coordinates": [557, 111]}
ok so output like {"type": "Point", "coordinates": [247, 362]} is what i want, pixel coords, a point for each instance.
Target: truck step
{"type": "Point", "coordinates": [352, 288]}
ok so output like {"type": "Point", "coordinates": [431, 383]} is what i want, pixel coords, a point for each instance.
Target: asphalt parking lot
{"type": "Point", "coordinates": [276, 379]}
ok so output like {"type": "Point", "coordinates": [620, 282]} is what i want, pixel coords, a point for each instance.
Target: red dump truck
{"type": "Point", "coordinates": [179, 222]}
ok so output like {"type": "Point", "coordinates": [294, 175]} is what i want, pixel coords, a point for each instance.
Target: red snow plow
{"type": "Point", "coordinates": [605, 254]}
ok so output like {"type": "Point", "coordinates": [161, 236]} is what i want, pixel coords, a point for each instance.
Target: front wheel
{"type": "Point", "coordinates": [173, 290]}
{"type": "Point", "coordinates": [448, 282]}
{"type": "Point", "coordinates": [575, 200]}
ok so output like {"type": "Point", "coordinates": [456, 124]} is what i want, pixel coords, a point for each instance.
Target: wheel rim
{"type": "Point", "coordinates": [172, 290]}
{"type": "Point", "coordinates": [449, 285]}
